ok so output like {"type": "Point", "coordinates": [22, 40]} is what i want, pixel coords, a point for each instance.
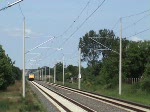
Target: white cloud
{"type": "Point", "coordinates": [134, 38]}
{"type": "Point", "coordinates": [18, 32]}
{"type": "Point", "coordinates": [29, 32]}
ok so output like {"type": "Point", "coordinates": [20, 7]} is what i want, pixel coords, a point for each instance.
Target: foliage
{"type": "Point", "coordinates": [103, 65]}
{"type": "Point", "coordinates": [4, 105]}
{"type": "Point", "coordinates": [8, 72]}
{"type": "Point", "coordinates": [73, 71]}
{"type": "Point", "coordinates": [87, 48]}
{"type": "Point", "coordinates": [17, 73]}
{"type": "Point", "coordinates": [12, 101]}
{"type": "Point", "coordinates": [70, 72]}
{"type": "Point", "coordinates": [136, 58]}
{"type": "Point", "coordinates": [145, 82]}
{"type": "Point", "coordinates": [59, 73]}
{"type": "Point", "coordinates": [108, 75]}
{"type": "Point", "coordinates": [101, 60]}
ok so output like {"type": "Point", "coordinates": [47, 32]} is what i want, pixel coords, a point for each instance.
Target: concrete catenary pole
{"type": "Point", "coordinates": [39, 75]}
{"type": "Point", "coordinates": [120, 59]}
{"type": "Point", "coordinates": [45, 74]}
{"type": "Point", "coordinates": [63, 70]}
{"type": "Point", "coordinates": [49, 74]}
{"type": "Point", "coordinates": [79, 76]}
{"type": "Point", "coordinates": [54, 73]}
{"type": "Point", "coordinates": [42, 74]}
{"type": "Point", "coordinates": [23, 75]}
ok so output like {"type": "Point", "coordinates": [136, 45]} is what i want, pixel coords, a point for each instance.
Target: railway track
{"type": "Point", "coordinates": [129, 106]}
{"type": "Point", "coordinates": [63, 103]}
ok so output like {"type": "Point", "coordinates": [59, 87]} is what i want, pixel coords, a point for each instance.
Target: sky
{"type": "Point", "coordinates": [50, 19]}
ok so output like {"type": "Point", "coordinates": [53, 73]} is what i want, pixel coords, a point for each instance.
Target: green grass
{"type": "Point", "coordinates": [4, 105]}
{"type": "Point", "coordinates": [129, 92]}
{"type": "Point", "coordinates": [31, 102]}
{"type": "Point", "coordinates": [73, 85]}
{"type": "Point", "coordinates": [11, 100]}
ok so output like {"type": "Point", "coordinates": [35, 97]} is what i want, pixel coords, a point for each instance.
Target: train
{"type": "Point", "coordinates": [31, 77]}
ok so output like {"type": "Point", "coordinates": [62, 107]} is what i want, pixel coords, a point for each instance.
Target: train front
{"type": "Point", "coordinates": [31, 77]}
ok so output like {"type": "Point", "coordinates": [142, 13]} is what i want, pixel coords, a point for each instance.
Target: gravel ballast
{"type": "Point", "coordinates": [46, 103]}
{"type": "Point", "coordinates": [92, 103]}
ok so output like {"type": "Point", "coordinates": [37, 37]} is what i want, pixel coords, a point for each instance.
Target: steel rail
{"type": "Point", "coordinates": [69, 99]}
{"type": "Point", "coordinates": [61, 105]}
{"type": "Point", "coordinates": [92, 95]}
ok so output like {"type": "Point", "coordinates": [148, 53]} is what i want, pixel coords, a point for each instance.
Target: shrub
{"type": "Point", "coordinates": [145, 81]}
{"type": "Point", "coordinates": [145, 84]}
{"type": "Point", "coordinates": [4, 105]}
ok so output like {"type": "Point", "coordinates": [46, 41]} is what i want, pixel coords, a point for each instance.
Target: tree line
{"type": "Point", "coordinates": [102, 57]}
{"type": "Point", "coordinates": [70, 72]}
{"type": "Point", "coordinates": [103, 60]}
{"type": "Point", "coordinates": [8, 72]}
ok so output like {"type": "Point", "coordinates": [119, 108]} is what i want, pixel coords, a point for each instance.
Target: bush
{"type": "Point", "coordinates": [29, 106]}
{"type": "Point", "coordinates": [4, 105]}
{"type": "Point", "coordinates": [145, 84]}
{"type": "Point", "coordinates": [145, 81]}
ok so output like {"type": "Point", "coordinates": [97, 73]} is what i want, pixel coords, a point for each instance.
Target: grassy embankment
{"type": "Point", "coordinates": [129, 92]}
{"type": "Point", "coordinates": [11, 100]}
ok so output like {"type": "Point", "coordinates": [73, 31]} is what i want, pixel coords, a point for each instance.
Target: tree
{"type": "Point", "coordinates": [59, 73]}
{"type": "Point", "coordinates": [6, 77]}
{"type": "Point", "coordinates": [108, 38]}
{"type": "Point", "coordinates": [72, 72]}
{"type": "Point", "coordinates": [87, 48]}
{"type": "Point", "coordinates": [108, 76]}
{"type": "Point", "coordinates": [17, 73]}
{"type": "Point", "coordinates": [103, 63]}
{"type": "Point", "coordinates": [8, 72]}
{"type": "Point", "coordinates": [136, 58]}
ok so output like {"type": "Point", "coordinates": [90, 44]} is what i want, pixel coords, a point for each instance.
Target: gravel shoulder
{"type": "Point", "coordinates": [47, 104]}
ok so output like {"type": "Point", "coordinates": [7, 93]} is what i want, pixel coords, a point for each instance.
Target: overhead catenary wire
{"type": "Point", "coordinates": [83, 23]}
{"type": "Point", "coordinates": [105, 46]}
{"type": "Point", "coordinates": [45, 57]}
{"type": "Point", "coordinates": [118, 21]}
{"type": "Point", "coordinates": [39, 45]}
{"type": "Point", "coordinates": [132, 24]}
{"type": "Point", "coordinates": [76, 19]}
{"type": "Point", "coordinates": [21, 11]}
{"type": "Point", "coordinates": [128, 16]}
{"type": "Point", "coordinates": [113, 26]}
{"type": "Point", "coordinates": [139, 32]}
{"type": "Point", "coordinates": [10, 5]}
{"type": "Point", "coordinates": [132, 15]}
{"type": "Point", "coordinates": [79, 26]}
